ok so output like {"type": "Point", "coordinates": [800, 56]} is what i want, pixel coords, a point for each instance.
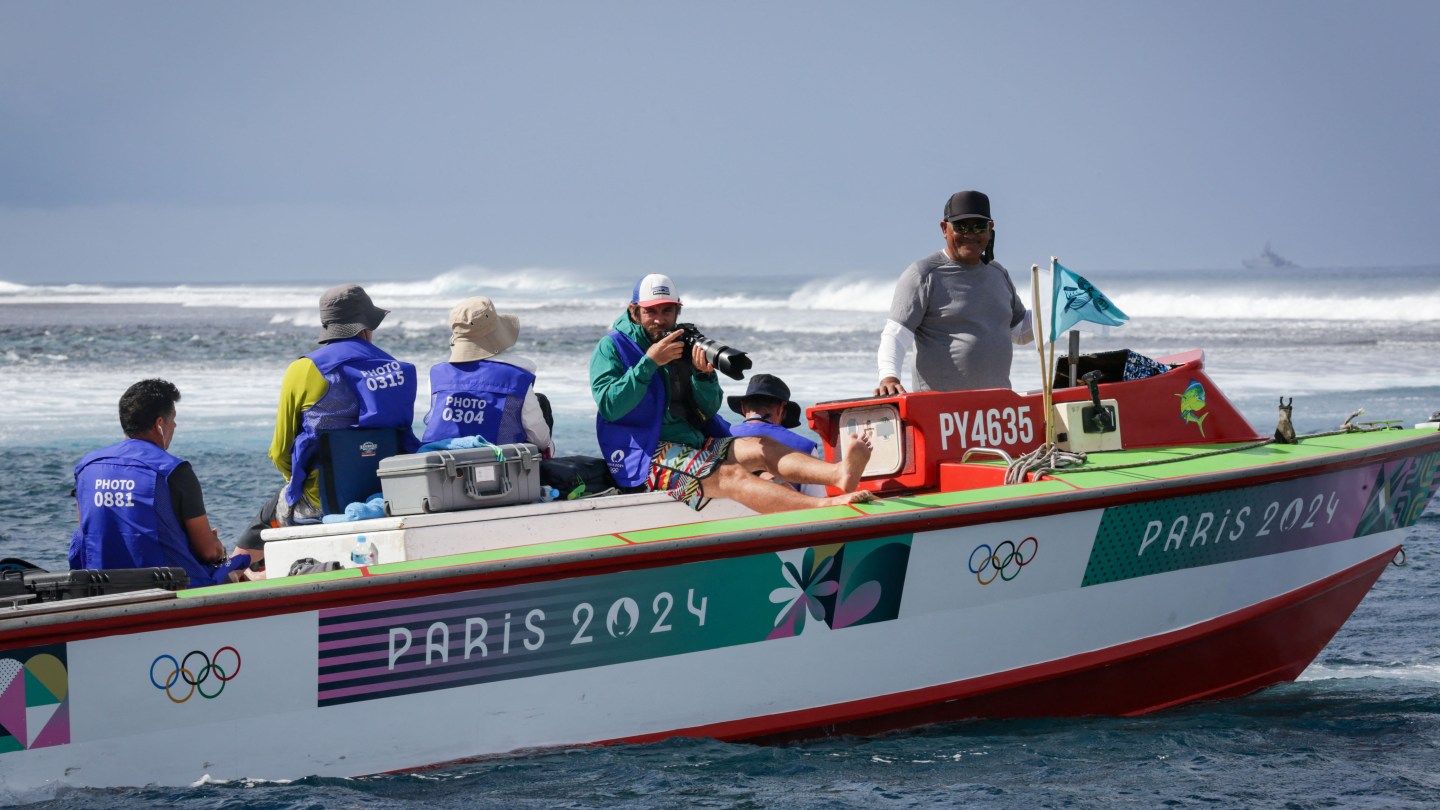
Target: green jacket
{"type": "Point", "coordinates": [617, 389]}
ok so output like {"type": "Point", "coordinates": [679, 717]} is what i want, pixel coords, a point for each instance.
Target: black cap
{"type": "Point", "coordinates": [770, 387]}
{"type": "Point", "coordinates": [967, 205]}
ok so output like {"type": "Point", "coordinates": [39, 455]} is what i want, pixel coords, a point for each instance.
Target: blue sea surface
{"type": "Point", "coordinates": [1361, 728]}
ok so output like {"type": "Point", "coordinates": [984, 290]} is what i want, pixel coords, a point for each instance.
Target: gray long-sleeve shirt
{"type": "Point", "coordinates": [962, 317]}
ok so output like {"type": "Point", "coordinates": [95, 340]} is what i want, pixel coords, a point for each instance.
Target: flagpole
{"type": "Point", "coordinates": [1050, 433]}
{"type": "Point", "coordinates": [1053, 261]}
{"type": "Point", "coordinates": [1039, 322]}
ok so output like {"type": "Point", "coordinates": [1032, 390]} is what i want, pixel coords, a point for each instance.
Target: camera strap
{"type": "Point", "coordinates": [679, 385]}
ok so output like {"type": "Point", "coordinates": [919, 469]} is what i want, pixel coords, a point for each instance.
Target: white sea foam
{"type": "Point", "coordinates": [846, 295]}
{"type": "Point", "coordinates": [448, 287]}
{"type": "Point", "coordinates": [226, 296]}
{"type": "Point", "coordinates": [854, 294]}
{"type": "Point", "coordinates": [296, 318]}
{"type": "Point", "coordinates": [1171, 297]}
{"type": "Point", "coordinates": [1405, 306]}
{"type": "Point", "coordinates": [1178, 300]}
{"type": "Point", "coordinates": [411, 321]}
{"type": "Point", "coordinates": [1429, 673]}
{"type": "Point", "coordinates": [702, 300]}
{"type": "Point", "coordinates": [793, 322]}
{"type": "Point", "coordinates": [532, 286]}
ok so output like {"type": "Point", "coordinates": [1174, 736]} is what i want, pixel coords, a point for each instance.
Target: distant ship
{"type": "Point", "coordinates": [1268, 260]}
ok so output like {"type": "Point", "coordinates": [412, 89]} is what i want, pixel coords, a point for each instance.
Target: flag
{"type": "Point", "coordinates": [1075, 300]}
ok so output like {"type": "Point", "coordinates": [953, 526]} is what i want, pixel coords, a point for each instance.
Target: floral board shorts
{"type": "Point", "coordinates": [677, 469]}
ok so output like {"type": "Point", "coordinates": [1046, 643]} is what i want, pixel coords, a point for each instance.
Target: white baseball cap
{"type": "Point", "coordinates": [654, 289]}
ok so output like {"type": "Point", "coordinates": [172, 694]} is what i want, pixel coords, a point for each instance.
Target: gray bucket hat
{"type": "Point", "coordinates": [346, 311]}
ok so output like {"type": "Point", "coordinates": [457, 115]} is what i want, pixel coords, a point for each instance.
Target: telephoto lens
{"type": "Point", "coordinates": [733, 363]}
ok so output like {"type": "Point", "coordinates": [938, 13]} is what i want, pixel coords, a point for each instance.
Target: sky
{"type": "Point", "coordinates": [147, 141]}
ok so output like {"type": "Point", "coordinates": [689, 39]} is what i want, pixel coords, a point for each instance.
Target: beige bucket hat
{"type": "Point", "coordinates": [478, 332]}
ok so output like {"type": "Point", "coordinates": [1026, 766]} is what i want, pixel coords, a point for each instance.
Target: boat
{"type": "Point", "coordinates": [1268, 260]}
{"type": "Point", "coordinates": [1184, 556]}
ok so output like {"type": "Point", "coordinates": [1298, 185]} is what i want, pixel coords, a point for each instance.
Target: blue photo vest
{"type": "Point", "coordinates": [477, 398]}
{"type": "Point", "coordinates": [629, 442]}
{"type": "Point", "coordinates": [368, 389]}
{"type": "Point", "coordinates": [126, 517]}
{"type": "Point", "coordinates": [783, 435]}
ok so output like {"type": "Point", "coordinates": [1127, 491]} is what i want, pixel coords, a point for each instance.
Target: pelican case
{"type": "Point", "coordinates": [13, 590]}
{"type": "Point", "coordinates": [449, 480]}
{"type": "Point", "coordinates": [49, 587]}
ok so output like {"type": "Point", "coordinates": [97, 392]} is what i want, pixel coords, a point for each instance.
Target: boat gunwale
{"type": "Point", "coordinates": [238, 603]}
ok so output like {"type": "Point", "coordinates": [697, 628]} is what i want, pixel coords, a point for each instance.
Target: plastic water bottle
{"type": "Point", "coordinates": [364, 552]}
{"type": "Point", "coordinates": [548, 494]}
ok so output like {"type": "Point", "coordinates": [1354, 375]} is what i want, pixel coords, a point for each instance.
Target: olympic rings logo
{"type": "Point", "coordinates": [206, 670]}
{"type": "Point", "coordinates": [1003, 561]}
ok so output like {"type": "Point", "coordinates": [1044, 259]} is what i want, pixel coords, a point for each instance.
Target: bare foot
{"type": "Point", "coordinates": [855, 454]}
{"type": "Point", "coordinates": [860, 496]}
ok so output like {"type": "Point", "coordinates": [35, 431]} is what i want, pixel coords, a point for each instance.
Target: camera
{"type": "Point", "coordinates": [733, 363]}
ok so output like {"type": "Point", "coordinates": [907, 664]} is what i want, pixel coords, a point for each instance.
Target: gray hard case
{"type": "Point", "coordinates": [472, 478]}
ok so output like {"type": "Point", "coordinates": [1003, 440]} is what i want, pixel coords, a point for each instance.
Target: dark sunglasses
{"type": "Point", "coordinates": [970, 226]}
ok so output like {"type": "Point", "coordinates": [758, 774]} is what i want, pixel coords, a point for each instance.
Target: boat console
{"type": "Point", "coordinates": [920, 438]}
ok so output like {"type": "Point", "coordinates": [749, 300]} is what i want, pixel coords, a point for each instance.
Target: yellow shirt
{"type": "Point", "coordinates": [302, 387]}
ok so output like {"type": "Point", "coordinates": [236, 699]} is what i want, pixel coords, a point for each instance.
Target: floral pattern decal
{"type": "Point", "coordinates": [834, 586]}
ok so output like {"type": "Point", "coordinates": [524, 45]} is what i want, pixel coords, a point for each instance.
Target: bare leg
{"type": "Point", "coordinates": [759, 453]}
{"type": "Point", "coordinates": [856, 450]}
{"type": "Point", "coordinates": [732, 481]}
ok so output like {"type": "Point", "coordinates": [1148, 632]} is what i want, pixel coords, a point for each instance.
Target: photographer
{"type": "Point", "coordinates": [658, 426]}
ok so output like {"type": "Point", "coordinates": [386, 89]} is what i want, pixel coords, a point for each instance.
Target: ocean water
{"type": "Point", "coordinates": [1361, 728]}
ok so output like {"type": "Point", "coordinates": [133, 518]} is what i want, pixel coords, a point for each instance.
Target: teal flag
{"type": "Point", "coordinates": [1076, 300]}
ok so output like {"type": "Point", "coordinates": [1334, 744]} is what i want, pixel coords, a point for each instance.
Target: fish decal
{"type": "Point", "coordinates": [1083, 295]}
{"type": "Point", "coordinates": [1192, 401]}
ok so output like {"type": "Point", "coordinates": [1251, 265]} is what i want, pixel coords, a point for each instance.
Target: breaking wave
{"type": "Point", "coordinates": [1190, 296]}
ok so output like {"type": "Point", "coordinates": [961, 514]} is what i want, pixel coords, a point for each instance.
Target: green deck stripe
{"type": "Point", "coordinates": [1253, 458]}
{"type": "Point", "coordinates": [1115, 478]}
{"type": "Point", "coordinates": [1350, 441]}
{"type": "Point", "coordinates": [910, 503]}
{"type": "Point", "coordinates": [279, 582]}
{"type": "Point", "coordinates": [1178, 464]}
{"type": "Point", "coordinates": [795, 518]}
{"type": "Point", "coordinates": [492, 555]}
{"type": "Point", "coordinates": [512, 553]}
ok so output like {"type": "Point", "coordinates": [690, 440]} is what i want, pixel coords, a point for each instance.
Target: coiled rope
{"type": "Point", "coordinates": [1045, 458]}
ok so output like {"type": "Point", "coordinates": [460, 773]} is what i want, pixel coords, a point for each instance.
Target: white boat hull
{"type": "Point", "coordinates": [284, 712]}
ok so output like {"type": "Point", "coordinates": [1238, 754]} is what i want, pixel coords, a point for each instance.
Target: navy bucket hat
{"type": "Point", "coordinates": [768, 386]}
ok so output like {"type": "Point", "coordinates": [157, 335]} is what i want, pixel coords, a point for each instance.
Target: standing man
{"type": "Point", "coordinates": [957, 307]}
{"type": "Point", "coordinates": [141, 507]}
{"type": "Point", "coordinates": [658, 428]}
